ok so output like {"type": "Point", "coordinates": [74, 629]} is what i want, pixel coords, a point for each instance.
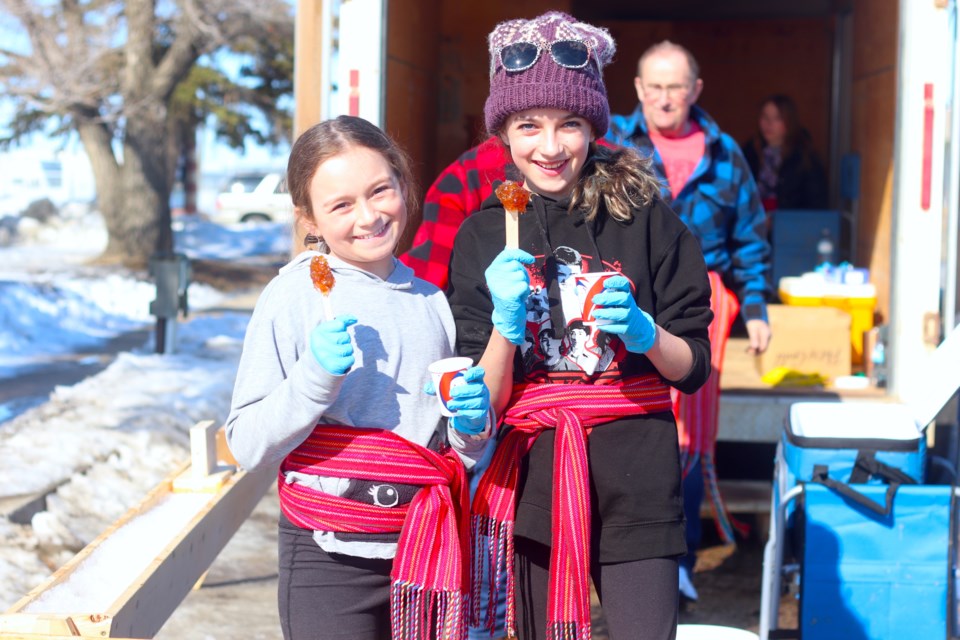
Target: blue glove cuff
{"type": "Point", "coordinates": [470, 426]}
{"type": "Point", "coordinates": [511, 333]}
{"type": "Point", "coordinates": [644, 341]}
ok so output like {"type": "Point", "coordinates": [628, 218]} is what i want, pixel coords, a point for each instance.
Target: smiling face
{"type": "Point", "coordinates": [667, 89]}
{"type": "Point", "coordinates": [358, 209]}
{"type": "Point", "coordinates": [549, 147]}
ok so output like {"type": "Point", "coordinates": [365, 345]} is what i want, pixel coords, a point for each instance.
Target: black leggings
{"type": "Point", "coordinates": [329, 596]}
{"type": "Point", "coordinates": [639, 598]}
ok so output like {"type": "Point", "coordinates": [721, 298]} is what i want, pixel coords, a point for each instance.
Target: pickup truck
{"type": "Point", "coordinates": [254, 198]}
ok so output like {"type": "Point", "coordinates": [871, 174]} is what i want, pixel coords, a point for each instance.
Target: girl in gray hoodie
{"type": "Point", "coordinates": [373, 500]}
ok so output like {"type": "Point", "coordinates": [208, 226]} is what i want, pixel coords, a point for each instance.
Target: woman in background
{"type": "Point", "coordinates": [788, 172]}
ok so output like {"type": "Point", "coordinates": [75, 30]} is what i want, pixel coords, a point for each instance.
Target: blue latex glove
{"type": "Point", "coordinates": [509, 285]}
{"type": "Point", "coordinates": [471, 401]}
{"type": "Point", "coordinates": [330, 344]}
{"type": "Point", "coordinates": [634, 325]}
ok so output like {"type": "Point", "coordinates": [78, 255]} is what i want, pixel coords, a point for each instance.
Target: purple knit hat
{"type": "Point", "coordinates": [546, 83]}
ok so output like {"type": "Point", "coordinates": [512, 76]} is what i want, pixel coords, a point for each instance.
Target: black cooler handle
{"type": "Point", "coordinates": [865, 466]}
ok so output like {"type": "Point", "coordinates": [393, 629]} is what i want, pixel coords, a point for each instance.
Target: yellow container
{"type": "Point", "coordinates": [857, 300]}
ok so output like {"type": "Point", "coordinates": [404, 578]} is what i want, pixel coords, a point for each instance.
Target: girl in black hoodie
{"type": "Point", "coordinates": [586, 476]}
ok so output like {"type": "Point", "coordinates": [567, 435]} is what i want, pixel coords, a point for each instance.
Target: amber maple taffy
{"type": "Point", "coordinates": [514, 199]}
{"type": "Point", "coordinates": [323, 281]}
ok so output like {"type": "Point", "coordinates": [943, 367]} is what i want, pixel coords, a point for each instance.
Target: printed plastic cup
{"type": "Point", "coordinates": [448, 374]}
{"type": "Point", "coordinates": [585, 286]}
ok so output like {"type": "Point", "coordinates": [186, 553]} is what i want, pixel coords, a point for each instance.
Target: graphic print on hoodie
{"type": "Point", "coordinates": [580, 350]}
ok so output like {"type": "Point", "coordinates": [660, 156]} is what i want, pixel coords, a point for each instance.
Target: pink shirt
{"type": "Point", "coordinates": [680, 155]}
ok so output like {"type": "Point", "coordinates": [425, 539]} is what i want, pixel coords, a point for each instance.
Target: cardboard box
{"type": "Point", "coordinates": [808, 340]}
{"type": "Point", "coordinates": [859, 300]}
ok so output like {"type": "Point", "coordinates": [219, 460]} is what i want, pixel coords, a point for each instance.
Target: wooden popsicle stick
{"type": "Point", "coordinates": [327, 309]}
{"type": "Point", "coordinates": [512, 221]}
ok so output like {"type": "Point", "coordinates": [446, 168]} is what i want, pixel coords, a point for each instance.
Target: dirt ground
{"type": "Point", "coordinates": [727, 578]}
{"type": "Point", "coordinates": [728, 581]}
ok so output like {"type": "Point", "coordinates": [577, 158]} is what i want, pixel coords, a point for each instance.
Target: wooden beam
{"type": "Point", "coordinates": [205, 474]}
{"type": "Point", "coordinates": [308, 80]}
{"type": "Point", "coordinates": [44, 636]}
{"type": "Point", "coordinates": [144, 606]}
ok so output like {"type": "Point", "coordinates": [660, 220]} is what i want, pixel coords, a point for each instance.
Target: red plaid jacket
{"type": "Point", "coordinates": [456, 193]}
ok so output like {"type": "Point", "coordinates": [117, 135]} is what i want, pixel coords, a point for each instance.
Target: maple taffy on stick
{"type": "Point", "coordinates": [514, 199]}
{"type": "Point", "coordinates": [323, 281]}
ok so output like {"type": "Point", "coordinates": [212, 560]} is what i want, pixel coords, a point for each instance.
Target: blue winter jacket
{"type": "Point", "coordinates": [719, 204]}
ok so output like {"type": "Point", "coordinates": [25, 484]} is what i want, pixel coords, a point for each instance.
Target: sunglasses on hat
{"type": "Point", "coordinates": [520, 56]}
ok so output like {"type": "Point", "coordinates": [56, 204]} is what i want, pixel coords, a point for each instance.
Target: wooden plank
{"type": "Point", "coordinates": [742, 496]}
{"type": "Point", "coordinates": [84, 625]}
{"type": "Point", "coordinates": [43, 625]}
{"type": "Point", "coordinates": [44, 636]}
{"type": "Point", "coordinates": [143, 607]}
{"type": "Point", "coordinates": [205, 473]}
{"type": "Point", "coordinates": [309, 71]}
{"type": "Point", "coordinates": [203, 448]}
{"type": "Point", "coordinates": [57, 626]}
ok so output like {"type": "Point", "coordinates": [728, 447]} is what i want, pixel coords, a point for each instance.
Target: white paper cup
{"type": "Point", "coordinates": [585, 287]}
{"type": "Point", "coordinates": [712, 632]}
{"type": "Point", "coordinates": [447, 374]}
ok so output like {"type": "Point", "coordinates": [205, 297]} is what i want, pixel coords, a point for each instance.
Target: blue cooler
{"type": "Point", "coordinates": [871, 542]}
{"type": "Point", "coordinates": [866, 576]}
{"type": "Point", "coordinates": [843, 444]}
{"type": "Point", "coordinates": [868, 544]}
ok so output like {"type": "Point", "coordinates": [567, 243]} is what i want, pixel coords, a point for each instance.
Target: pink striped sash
{"type": "Point", "coordinates": [698, 414]}
{"type": "Point", "coordinates": [430, 571]}
{"type": "Point", "coordinates": [571, 409]}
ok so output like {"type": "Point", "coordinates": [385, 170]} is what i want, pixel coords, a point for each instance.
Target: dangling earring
{"type": "Point", "coordinates": [314, 239]}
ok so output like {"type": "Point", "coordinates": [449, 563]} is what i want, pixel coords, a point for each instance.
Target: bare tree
{"type": "Point", "coordinates": [110, 70]}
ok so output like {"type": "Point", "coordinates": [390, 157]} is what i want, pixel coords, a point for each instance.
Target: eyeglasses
{"type": "Point", "coordinates": [655, 90]}
{"type": "Point", "coordinates": [520, 56]}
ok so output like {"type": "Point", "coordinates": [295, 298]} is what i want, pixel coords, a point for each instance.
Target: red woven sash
{"type": "Point", "coordinates": [430, 571]}
{"type": "Point", "coordinates": [570, 409]}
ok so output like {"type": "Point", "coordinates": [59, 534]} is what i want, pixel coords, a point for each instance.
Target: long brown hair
{"type": "Point", "coordinates": [619, 178]}
{"type": "Point", "coordinates": [331, 137]}
{"type": "Point", "coordinates": [796, 139]}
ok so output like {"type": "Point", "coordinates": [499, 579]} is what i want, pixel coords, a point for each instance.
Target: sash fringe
{"type": "Point", "coordinates": [568, 631]}
{"type": "Point", "coordinates": [493, 551]}
{"type": "Point", "coordinates": [418, 613]}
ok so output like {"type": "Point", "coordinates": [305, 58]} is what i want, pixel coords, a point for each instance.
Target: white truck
{"type": "Point", "coordinates": [255, 197]}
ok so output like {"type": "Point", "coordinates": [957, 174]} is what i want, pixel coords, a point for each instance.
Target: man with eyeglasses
{"type": "Point", "coordinates": [707, 182]}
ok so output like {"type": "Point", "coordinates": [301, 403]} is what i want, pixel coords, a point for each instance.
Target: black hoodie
{"type": "Point", "coordinates": [634, 462]}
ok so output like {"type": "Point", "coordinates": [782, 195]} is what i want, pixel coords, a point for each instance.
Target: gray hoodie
{"type": "Point", "coordinates": [282, 392]}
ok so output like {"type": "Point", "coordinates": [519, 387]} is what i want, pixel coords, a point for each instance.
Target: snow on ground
{"type": "Point", "coordinates": [102, 444]}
